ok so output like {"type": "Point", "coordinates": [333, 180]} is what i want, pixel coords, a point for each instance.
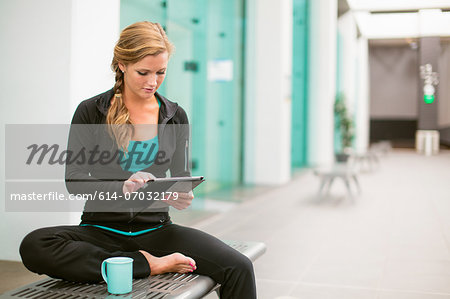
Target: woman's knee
{"type": "Point", "coordinates": [245, 264]}
{"type": "Point", "coordinates": [32, 249]}
{"type": "Point", "coordinates": [239, 280]}
{"type": "Point", "coordinates": [241, 265]}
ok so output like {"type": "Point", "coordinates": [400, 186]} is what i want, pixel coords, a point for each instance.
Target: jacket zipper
{"type": "Point", "coordinates": [186, 161]}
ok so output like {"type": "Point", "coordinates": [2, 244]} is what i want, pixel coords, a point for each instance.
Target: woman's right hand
{"type": "Point", "coordinates": [137, 181]}
{"type": "Point", "coordinates": [181, 200]}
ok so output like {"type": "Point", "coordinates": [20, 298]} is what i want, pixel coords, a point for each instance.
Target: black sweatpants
{"type": "Point", "coordinates": [75, 253]}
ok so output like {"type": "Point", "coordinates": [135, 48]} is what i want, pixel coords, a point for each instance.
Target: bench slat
{"type": "Point", "coordinates": [167, 286]}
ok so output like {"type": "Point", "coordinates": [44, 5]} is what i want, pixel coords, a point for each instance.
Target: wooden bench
{"type": "Point", "coordinates": [169, 285]}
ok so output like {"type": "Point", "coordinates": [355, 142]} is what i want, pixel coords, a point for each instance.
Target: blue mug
{"type": "Point", "coordinates": [118, 274]}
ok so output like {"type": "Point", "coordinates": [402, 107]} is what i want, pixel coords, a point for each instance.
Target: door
{"type": "Point", "coordinates": [205, 76]}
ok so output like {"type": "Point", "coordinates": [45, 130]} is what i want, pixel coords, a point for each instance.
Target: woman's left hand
{"type": "Point", "coordinates": [182, 201]}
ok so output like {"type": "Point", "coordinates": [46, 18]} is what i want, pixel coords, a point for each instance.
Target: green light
{"type": "Point", "coordinates": [428, 98]}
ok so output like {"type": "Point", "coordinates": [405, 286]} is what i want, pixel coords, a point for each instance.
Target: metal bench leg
{"type": "Point", "coordinates": [357, 184]}
{"type": "Point", "coordinates": [376, 161]}
{"type": "Point", "coordinates": [331, 180]}
{"type": "Point", "coordinates": [347, 184]}
{"type": "Point", "coordinates": [322, 185]}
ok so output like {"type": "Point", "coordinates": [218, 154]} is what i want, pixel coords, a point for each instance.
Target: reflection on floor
{"type": "Point", "coordinates": [215, 203]}
{"type": "Point", "coordinates": [390, 242]}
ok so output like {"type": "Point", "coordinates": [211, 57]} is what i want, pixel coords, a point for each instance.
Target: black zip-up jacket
{"type": "Point", "coordinates": [88, 134]}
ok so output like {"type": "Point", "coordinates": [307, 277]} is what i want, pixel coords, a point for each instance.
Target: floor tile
{"type": "Point", "coordinates": [270, 289]}
{"type": "Point", "coordinates": [331, 292]}
{"type": "Point", "coordinates": [410, 295]}
{"type": "Point", "coordinates": [363, 273]}
{"type": "Point", "coordinates": [427, 275]}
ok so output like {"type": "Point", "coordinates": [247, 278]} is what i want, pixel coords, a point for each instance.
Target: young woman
{"type": "Point", "coordinates": [129, 116]}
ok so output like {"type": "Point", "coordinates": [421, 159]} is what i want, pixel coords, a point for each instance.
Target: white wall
{"type": "Point", "coordinates": [394, 79]}
{"type": "Point", "coordinates": [362, 121]}
{"type": "Point", "coordinates": [94, 32]}
{"type": "Point", "coordinates": [268, 92]}
{"type": "Point", "coordinates": [53, 56]}
{"type": "Point", "coordinates": [322, 80]}
{"type": "Point", "coordinates": [347, 29]}
{"type": "Point", "coordinates": [355, 78]}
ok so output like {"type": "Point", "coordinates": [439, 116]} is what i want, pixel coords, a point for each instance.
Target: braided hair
{"type": "Point", "coordinates": [136, 42]}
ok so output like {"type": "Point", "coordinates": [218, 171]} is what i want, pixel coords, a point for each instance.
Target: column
{"type": "Point", "coordinates": [427, 134]}
{"type": "Point", "coordinates": [267, 117]}
{"type": "Point", "coordinates": [322, 80]}
{"type": "Point", "coordinates": [362, 119]}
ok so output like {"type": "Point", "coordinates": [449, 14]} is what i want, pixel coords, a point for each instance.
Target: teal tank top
{"type": "Point", "coordinates": [141, 154]}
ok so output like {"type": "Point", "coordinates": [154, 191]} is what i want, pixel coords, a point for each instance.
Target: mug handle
{"type": "Point", "coordinates": [105, 278]}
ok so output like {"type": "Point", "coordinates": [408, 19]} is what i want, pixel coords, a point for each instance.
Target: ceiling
{"type": "Point", "coordinates": [387, 19]}
{"type": "Point", "coordinates": [375, 6]}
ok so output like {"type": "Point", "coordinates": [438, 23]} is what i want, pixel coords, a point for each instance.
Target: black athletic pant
{"type": "Point", "coordinates": [75, 253]}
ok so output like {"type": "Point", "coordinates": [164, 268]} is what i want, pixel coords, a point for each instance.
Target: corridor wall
{"type": "Point", "coordinates": [49, 66]}
{"type": "Point", "coordinates": [444, 93]}
{"type": "Point", "coordinates": [394, 92]}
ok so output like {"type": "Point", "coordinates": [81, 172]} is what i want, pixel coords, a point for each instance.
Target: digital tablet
{"type": "Point", "coordinates": [173, 184]}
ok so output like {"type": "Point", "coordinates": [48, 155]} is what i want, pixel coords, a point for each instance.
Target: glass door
{"type": "Point", "coordinates": [205, 76]}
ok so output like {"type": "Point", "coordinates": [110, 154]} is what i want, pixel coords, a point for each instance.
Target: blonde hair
{"type": "Point", "coordinates": [135, 42]}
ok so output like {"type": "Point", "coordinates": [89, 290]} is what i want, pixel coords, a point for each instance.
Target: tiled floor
{"type": "Point", "coordinates": [14, 275]}
{"type": "Point", "coordinates": [390, 242]}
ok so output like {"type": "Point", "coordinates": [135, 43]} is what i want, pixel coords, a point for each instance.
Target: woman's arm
{"type": "Point", "coordinates": [84, 140]}
{"type": "Point", "coordinates": [180, 165]}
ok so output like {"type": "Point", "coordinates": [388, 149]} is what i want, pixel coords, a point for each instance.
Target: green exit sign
{"type": "Point", "coordinates": [428, 98]}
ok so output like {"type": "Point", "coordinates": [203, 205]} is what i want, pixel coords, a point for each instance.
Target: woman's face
{"type": "Point", "coordinates": [144, 77]}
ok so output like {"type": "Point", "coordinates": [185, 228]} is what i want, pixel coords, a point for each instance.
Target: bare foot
{"type": "Point", "coordinates": [175, 262]}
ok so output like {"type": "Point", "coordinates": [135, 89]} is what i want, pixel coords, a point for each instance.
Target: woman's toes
{"type": "Point", "coordinates": [192, 263]}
